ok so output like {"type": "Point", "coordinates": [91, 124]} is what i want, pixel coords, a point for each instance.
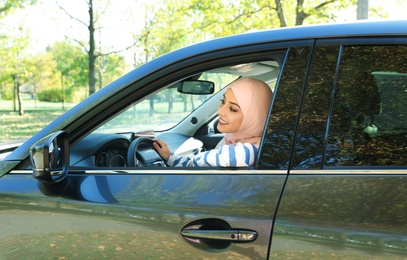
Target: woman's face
{"type": "Point", "coordinates": [230, 114]}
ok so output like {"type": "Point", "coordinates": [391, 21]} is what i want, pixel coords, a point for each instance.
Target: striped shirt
{"type": "Point", "coordinates": [237, 155]}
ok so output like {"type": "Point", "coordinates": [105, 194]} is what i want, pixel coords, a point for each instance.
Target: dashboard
{"type": "Point", "coordinates": [111, 150]}
{"type": "Point", "coordinates": [101, 150]}
{"type": "Point", "coordinates": [113, 156]}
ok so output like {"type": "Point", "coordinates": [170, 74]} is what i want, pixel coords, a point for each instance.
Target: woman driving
{"type": "Point", "coordinates": [242, 116]}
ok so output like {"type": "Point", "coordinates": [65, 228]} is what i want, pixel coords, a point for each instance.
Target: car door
{"type": "Point", "coordinates": [149, 213]}
{"type": "Point", "coordinates": [345, 196]}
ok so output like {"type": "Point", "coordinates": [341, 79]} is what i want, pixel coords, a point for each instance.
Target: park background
{"type": "Point", "coordinates": [55, 53]}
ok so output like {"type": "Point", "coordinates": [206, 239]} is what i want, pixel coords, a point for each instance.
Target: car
{"type": "Point", "coordinates": [330, 179]}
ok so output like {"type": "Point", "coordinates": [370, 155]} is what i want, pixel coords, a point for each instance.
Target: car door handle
{"type": "Point", "coordinates": [235, 235]}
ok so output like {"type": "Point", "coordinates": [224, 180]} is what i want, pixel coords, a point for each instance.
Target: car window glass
{"type": "Point", "coordinates": [164, 109]}
{"type": "Point", "coordinates": [310, 139]}
{"type": "Point", "coordinates": [280, 130]}
{"type": "Point", "coordinates": [369, 118]}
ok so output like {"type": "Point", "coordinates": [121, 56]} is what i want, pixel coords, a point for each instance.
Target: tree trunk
{"type": "Point", "coordinates": [63, 91]}
{"type": "Point", "coordinates": [192, 102]}
{"type": "Point", "coordinates": [170, 102]}
{"type": "Point", "coordinates": [362, 10]}
{"type": "Point", "coordinates": [14, 92]}
{"type": "Point", "coordinates": [280, 13]}
{"type": "Point", "coordinates": [20, 105]}
{"type": "Point", "coordinates": [300, 14]}
{"type": "Point", "coordinates": [100, 74]}
{"type": "Point", "coordinates": [91, 53]}
{"type": "Point", "coordinates": [151, 111]}
{"type": "Point", "coordinates": [185, 103]}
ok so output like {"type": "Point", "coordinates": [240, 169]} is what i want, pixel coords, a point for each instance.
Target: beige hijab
{"type": "Point", "coordinates": [254, 97]}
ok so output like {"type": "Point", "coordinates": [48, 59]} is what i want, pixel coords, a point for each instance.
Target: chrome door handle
{"type": "Point", "coordinates": [235, 235]}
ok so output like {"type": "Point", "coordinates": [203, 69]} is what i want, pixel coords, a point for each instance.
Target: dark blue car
{"type": "Point", "coordinates": [330, 179]}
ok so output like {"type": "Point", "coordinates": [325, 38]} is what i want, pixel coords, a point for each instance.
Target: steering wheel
{"type": "Point", "coordinates": [137, 159]}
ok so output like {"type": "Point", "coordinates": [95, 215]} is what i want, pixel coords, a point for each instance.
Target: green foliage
{"type": "Point", "coordinates": [63, 65]}
{"type": "Point", "coordinates": [71, 63]}
{"type": "Point", "coordinates": [76, 95]}
{"type": "Point", "coordinates": [50, 95]}
{"type": "Point", "coordinates": [172, 24]}
{"type": "Point", "coordinates": [7, 6]}
{"type": "Point", "coordinates": [109, 68]}
{"type": "Point", "coordinates": [13, 57]}
{"type": "Point", "coordinates": [73, 95]}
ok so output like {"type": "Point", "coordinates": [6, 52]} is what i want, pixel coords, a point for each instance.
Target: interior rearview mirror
{"type": "Point", "coordinates": [50, 158]}
{"type": "Point", "coordinates": [196, 87]}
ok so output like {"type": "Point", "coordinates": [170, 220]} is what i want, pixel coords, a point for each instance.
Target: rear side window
{"type": "Point", "coordinates": [369, 114]}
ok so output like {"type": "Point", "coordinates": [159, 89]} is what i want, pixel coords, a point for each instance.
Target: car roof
{"type": "Point", "coordinates": [327, 30]}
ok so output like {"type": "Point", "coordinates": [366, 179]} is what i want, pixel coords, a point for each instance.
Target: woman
{"type": "Point", "coordinates": [242, 115]}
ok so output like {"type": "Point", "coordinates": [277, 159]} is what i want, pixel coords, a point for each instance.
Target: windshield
{"type": "Point", "coordinates": [164, 109]}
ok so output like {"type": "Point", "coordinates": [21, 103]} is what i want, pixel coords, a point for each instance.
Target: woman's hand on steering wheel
{"type": "Point", "coordinates": [162, 148]}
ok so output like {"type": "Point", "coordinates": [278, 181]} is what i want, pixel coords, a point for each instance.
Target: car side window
{"type": "Point", "coordinates": [369, 114]}
{"type": "Point", "coordinates": [276, 150]}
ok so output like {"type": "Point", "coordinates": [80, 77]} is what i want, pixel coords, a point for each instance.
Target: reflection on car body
{"type": "Point", "coordinates": [329, 181]}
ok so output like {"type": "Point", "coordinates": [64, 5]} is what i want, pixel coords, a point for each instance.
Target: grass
{"type": "Point", "coordinates": [15, 127]}
{"type": "Point", "coordinates": [37, 115]}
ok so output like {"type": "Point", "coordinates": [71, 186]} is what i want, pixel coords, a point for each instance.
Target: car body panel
{"type": "Point", "coordinates": [143, 208]}
{"type": "Point", "coordinates": [343, 222]}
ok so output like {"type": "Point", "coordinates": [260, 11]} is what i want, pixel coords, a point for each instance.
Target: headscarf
{"type": "Point", "coordinates": [254, 97]}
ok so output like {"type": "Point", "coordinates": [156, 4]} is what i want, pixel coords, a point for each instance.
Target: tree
{"type": "Point", "coordinates": [90, 46]}
{"type": "Point", "coordinates": [13, 69]}
{"type": "Point", "coordinates": [69, 61]}
{"type": "Point", "coordinates": [95, 15]}
{"type": "Point", "coordinates": [41, 72]}
{"type": "Point", "coordinates": [109, 67]}
{"type": "Point", "coordinates": [10, 5]}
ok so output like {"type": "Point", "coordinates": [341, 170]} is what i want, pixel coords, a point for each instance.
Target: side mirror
{"type": "Point", "coordinates": [196, 87]}
{"type": "Point", "coordinates": [50, 158]}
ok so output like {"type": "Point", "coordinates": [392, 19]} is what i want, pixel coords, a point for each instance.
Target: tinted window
{"type": "Point", "coordinates": [281, 127]}
{"type": "Point", "coordinates": [368, 125]}
{"type": "Point", "coordinates": [314, 112]}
